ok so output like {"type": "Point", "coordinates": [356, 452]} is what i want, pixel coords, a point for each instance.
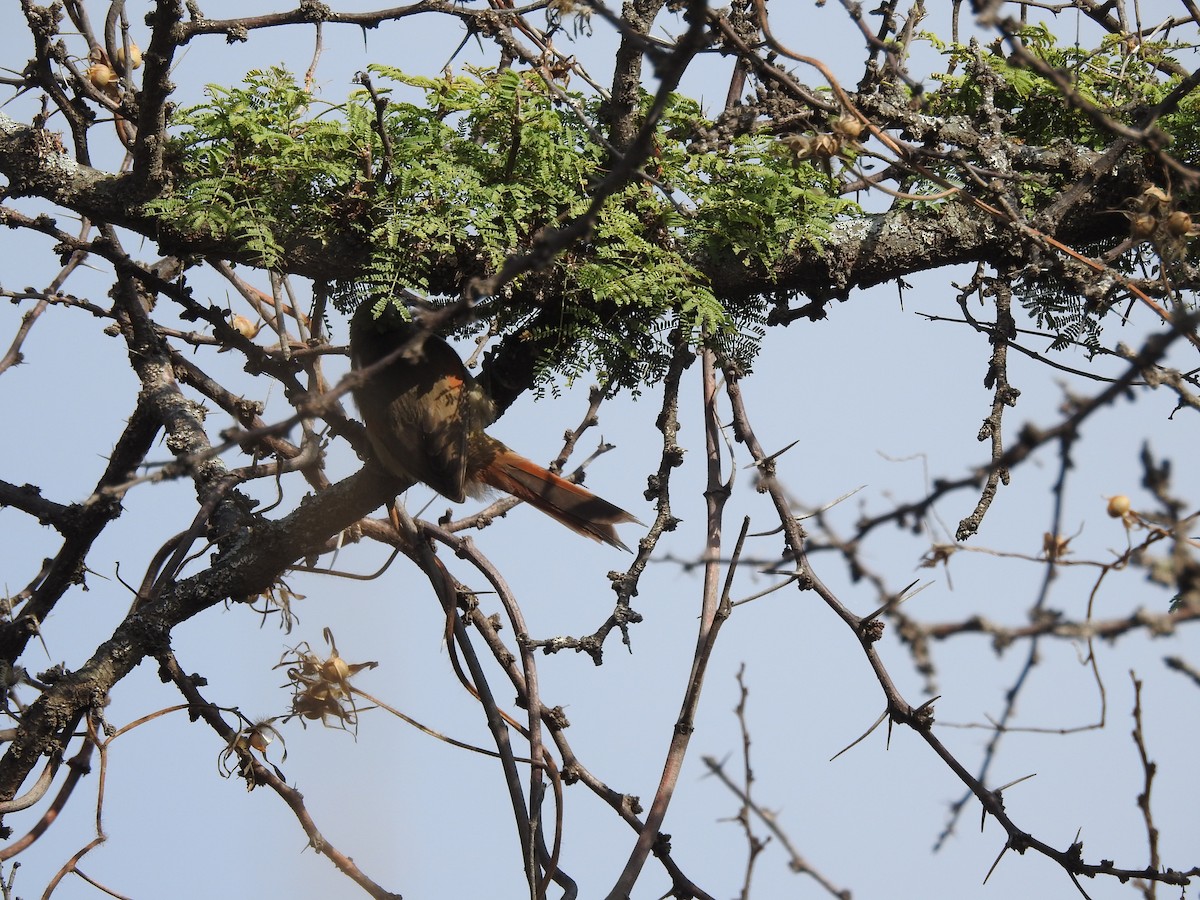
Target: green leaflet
{"type": "Point", "coordinates": [480, 163]}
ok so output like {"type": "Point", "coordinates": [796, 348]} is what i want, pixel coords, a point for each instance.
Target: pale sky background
{"type": "Point", "coordinates": [873, 394]}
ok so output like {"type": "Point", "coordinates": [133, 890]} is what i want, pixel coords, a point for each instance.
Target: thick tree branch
{"type": "Point", "coordinates": [253, 560]}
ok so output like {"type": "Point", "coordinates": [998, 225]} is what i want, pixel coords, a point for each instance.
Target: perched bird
{"type": "Point", "coordinates": [425, 417]}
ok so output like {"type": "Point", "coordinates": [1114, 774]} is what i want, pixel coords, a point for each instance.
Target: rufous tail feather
{"type": "Point", "coordinates": [578, 509]}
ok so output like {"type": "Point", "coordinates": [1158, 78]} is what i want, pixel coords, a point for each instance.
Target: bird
{"type": "Point", "coordinates": [425, 418]}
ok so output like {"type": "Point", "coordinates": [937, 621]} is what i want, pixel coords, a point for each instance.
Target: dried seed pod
{"type": "Point", "coordinates": [1180, 224]}
{"type": "Point", "coordinates": [1142, 226]}
{"type": "Point", "coordinates": [335, 669]}
{"type": "Point", "coordinates": [1118, 506]}
{"type": "Point", "coordinates": [1055, 546]}
{"type": "Point", "coordinates": [102, 77]}
{"type": "Point", "coordinates": [849, 127]}
{"type": "Point", "coordinates": [260, 740]}
{"type": "Point", "coordinates": [245, 327]}
{"type": "Point", "coordinates": [1154, 195]}
{"type": "Point", "coordinates": [800, 145]}
{"type": "Point", "coordinates": [826, 146]}
{"type": "Point", "coordinates": [135, 56]}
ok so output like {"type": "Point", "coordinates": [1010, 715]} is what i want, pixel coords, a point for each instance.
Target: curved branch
{"type": "Point", "coordinates": [254, 559]}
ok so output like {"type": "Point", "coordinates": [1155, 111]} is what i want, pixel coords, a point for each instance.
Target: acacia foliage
{"type": "Point", "coordinates": [484, 162]}
{"type": "Point", "coordinates": [440, 190]}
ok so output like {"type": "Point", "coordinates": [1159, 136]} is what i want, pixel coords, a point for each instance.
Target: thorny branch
{"type": "Point", "coordinates": [899, 711]}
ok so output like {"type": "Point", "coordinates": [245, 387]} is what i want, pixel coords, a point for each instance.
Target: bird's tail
{"type": "Point", "coordinates": [568, 503]}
